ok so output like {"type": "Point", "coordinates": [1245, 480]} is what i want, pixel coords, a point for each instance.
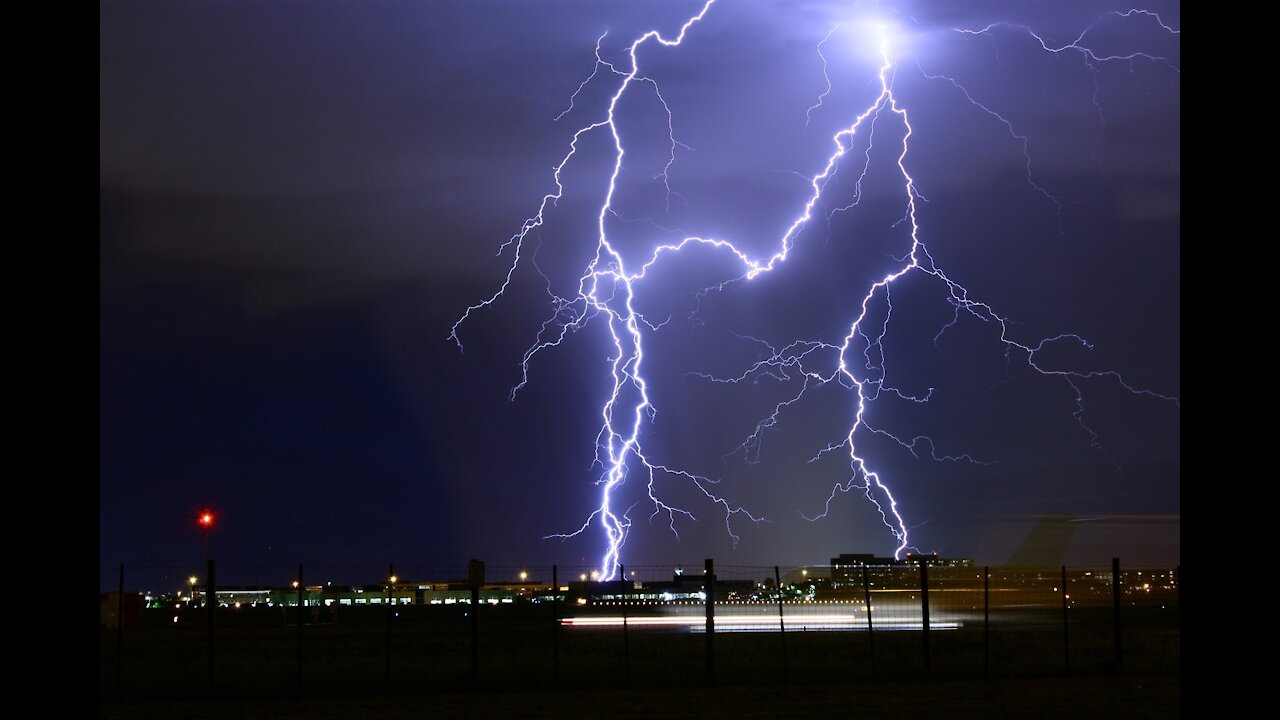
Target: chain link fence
{"type": "Point", "coordinates": [278, 631]}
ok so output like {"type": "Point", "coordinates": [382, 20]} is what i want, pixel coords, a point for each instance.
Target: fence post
{"type": "Point", "coordinates": [211, 601]}
{"type": "Point", "coordinates": [555, 626]}
{"type": "Point", "coordinates": [709, 585]}
{"type": "Point", "coordinates": [986, 622]}
{"type": "Point", "coordinates": [475, 572]}
{"type": "Point", "coordinates": [924, 609]}
{"type": "Point", "coordinates": [475, 634]}
{"type": "Point", "coordinates": [120, 630]}
{"type": "Point", "coordinates": [1066, 639]}
{"type": "Point", "coordinates": [782, 624]}
{"type": "Point", "coordinates": [626, 637]}
{"type": "Point", "coordinates": [387, 666]}
{"type": "Point", "coordinates": [301, 602]}
{"type": "Point", "coordinates": [866, 594]}
{"type": "Point", "coordinates": [1115, 597]}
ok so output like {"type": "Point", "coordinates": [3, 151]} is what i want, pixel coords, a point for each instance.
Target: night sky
{"type": "Point", "coordinates": [299, 199]}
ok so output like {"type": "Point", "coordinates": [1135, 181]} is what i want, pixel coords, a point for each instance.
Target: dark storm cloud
{"type": "Point", "coordinates": [299, 198]}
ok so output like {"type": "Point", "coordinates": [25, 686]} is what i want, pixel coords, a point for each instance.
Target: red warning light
{"type": "Point", "coordinates": [206, 519]}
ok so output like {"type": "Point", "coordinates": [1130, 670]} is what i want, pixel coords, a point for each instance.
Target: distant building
{"type": "Point", "coordinates": [847, 569]}
{"type": "Point", "coordinates": [935, 559]}
{"type": "Point", "coordinates": [857, 560]}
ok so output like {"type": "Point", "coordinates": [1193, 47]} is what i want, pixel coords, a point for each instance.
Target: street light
{"type": "Point", "coordinates": [523, 576]}
{"type": "Point", "coordinates": [192, 593]}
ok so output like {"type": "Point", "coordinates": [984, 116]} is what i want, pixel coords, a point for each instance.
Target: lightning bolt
{"type": "Point", "coordinates": [808, 114]}
{"type": "Point", "coordinates": [1079, 46]}
{"type": "Point", "coordinates": [607, 290]}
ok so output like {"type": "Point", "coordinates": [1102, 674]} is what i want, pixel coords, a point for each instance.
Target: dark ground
{"type": "Point", "coordinates": [1041, 698]}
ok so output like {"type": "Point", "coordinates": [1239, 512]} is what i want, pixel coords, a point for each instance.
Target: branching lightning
{"type": "Point", "coordinates": [808, 114]}
{"type": "Point", "coordinates": [607, 290]}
